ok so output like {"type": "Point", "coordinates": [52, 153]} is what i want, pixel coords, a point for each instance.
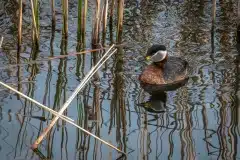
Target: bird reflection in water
{"type": "Point", "coordinates": [156, 103]}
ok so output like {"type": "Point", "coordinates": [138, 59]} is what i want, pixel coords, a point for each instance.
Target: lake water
{"type": "Point", "coordinates": [201, 120]}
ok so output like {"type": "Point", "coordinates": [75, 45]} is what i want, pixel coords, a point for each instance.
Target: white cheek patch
{"type": "Point", "coordinates": [159, 56]}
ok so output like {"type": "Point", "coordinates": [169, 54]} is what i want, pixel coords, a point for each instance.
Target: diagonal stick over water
{"type": "Point", "coordinates": [66, 104]}
{"type": "Point", "coordinates": [37, 103]}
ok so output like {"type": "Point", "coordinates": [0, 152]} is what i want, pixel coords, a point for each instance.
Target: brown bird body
{"type": "Point", "coordinates": [165, 73]}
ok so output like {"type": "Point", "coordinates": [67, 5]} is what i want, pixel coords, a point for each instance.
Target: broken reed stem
{"type": "Point", "coordinates": [95, 32]}
{"type": "Point", "coordinates": [65, 17]}
{"type": "Point", "coordinates": [34, 20]}
{"type": "Point", "coordinates": [66, 104]}
{"type": "Point", "coordinates": [238, 23]}
{"type": "Point", "coordinates": [112, 9]}
{"type": "Point", "coordinates": [111, 21]}
{"type": "Point", "coordinates": [238, 13]}
{"type": "Point", "coordinates": [120, 20]}
{"type": "Point", "coordinates": [84, 20]}
{"type": "Point", "coordinates": [104, 26]}
{"type": "Point", "coordinates": [53, 13]}
{"type": "Point", "coordinates": [20, 26]}
{"type": "Point", "coordinates": [36, 102]}
{"type": "Point", "coordinates": [79, 27]}
{"type": "Point", "coordinates": [1, 41]}
{"type": "Point", "coordinates": [214, 12]}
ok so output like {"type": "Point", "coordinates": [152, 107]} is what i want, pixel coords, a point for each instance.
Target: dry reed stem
{"type": "Point", "coordinates": [20, 25]}
{"type": "Point", "coordinates": [104, 26]}
{"type": "Point", "coordinates": [55, 57]}
{"type": "Point", "coordinates": [112, 9]}
{"type": "Point", "coordinates": [65, 17]}
{"type": "Point", "coordinates": [1, 41]}
{"type": "Point", "coordinates": [95, 31]}
{"type": "Point", "coordinates": [214, 12]}
{"type": "Point", "coordinates": [66, 104]}
{"type": "Point", "coordinates": [120, 20]}
{"type": "Point", "coordinates": [238, 12]}
{"type": "Point", "coordinates": [36, 102]}
{"type": "Point", "coordinates": [53, 13]}
{"type": "Point", "coordinates": [79, 24]}
{"type": "Point", "coordinates": [84, 19]}
{"type": "Point", "coordinates": [34, 20]}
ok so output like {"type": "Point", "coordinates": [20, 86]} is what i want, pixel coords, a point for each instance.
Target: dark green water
{"type": "Point", "coordinates": [201, 119]}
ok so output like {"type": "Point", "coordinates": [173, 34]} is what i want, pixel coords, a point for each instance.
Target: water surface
{"type": "Point", "coordinates": [201, 119]}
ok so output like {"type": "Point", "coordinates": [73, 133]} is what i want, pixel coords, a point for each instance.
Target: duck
{"type": "Point", "coordinates": [165, 72]}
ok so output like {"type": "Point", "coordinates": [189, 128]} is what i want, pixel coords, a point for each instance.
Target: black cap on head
{"type": "Point", "coordinates": [154, 48]}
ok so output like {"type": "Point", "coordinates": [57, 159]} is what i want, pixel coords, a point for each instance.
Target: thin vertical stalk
{"type": "Point", "coordinates": [1, 41]}
{"type": "Point", "coordinates": [35, 30]}
{"type": "Point", "coordinates": [238, 26]}
{"type": "Point", "coordinates": [213, 25]}
{"type": "Point", "coordinates": [214, 12]}
{"type": "Point", "coordinates": [65, 17]}
{"type": "Point", "coordinates": [238, 11]}
{"type": "Point", "coordinates": [95, 33]}
{"type": "Point", "coordinates": [19, 46]}
{"type": "Point", "coordinates": [79, 21]}
{"type": "Point", "coordinates": [112, 10]}
{"type": "Point", "coordinates": [20, 26]}
{"type": "Point", "coordinates": [84, 20]}
{"type": "Point", "coordinates": [53, 13]}
{"type": "Point", "coordinates": [104, 25]}
{"type": "Point", "coordinates": [120, 20]}
{"type": "Point", "coordinates": [111, 21]}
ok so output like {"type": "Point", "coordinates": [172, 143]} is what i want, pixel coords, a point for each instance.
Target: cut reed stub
{"type": "Point", "coordinates": [65, 18]}
{"type": "Point", "coordinates": [120, 20]}
{"type": "Point", "coordinates": [104, 19]}
{"type": "Point", "coordinates": [19, 26]}
{"type": "Point", "coordinates": [35, 17]}
{"type": "Point", "coordinates": [1, 42]}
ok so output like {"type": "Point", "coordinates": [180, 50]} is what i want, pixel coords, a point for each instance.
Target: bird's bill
{"type": "Point", "coordinates": [148, 58]}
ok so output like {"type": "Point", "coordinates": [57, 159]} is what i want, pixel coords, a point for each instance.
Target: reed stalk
{"type": "Point", "coordinates": [104, 25]}
{"type": "Point", "coordinates": [36, 102]}
{"type": "Point", "coordinates": [65, 18]}
{"type": "Point", "coordinates": [238, 23]}
{"type": "Point", "coordinates": [53, 13]}
{"type": "Point", "coordinates": [84, 20]}
{"type": "Point", "coordinates": [34, 6]}
{"type": "Point", "coordinates": [111, 21]}
{"type": "Point", "coordinates": [213, 26]}
{"type": "Point", "coordinates": [1, 42]}
{"type": "Point", "coordinates": [120, 20]}
{"type": "Point", "coordinates": [112, 10]}
{"type": "Point", "coordinates": [79, 27]}
{"type": "Point", "coordinates": [20, 26]}
{"type": "Point", "coordinates": [76, 91]}
{"type": "Point", "coordinates": [214, 12]}
{"type": "Point", "coordinates": [95, 32]}
{"type": "Point", "coordinates": [238, 11]}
